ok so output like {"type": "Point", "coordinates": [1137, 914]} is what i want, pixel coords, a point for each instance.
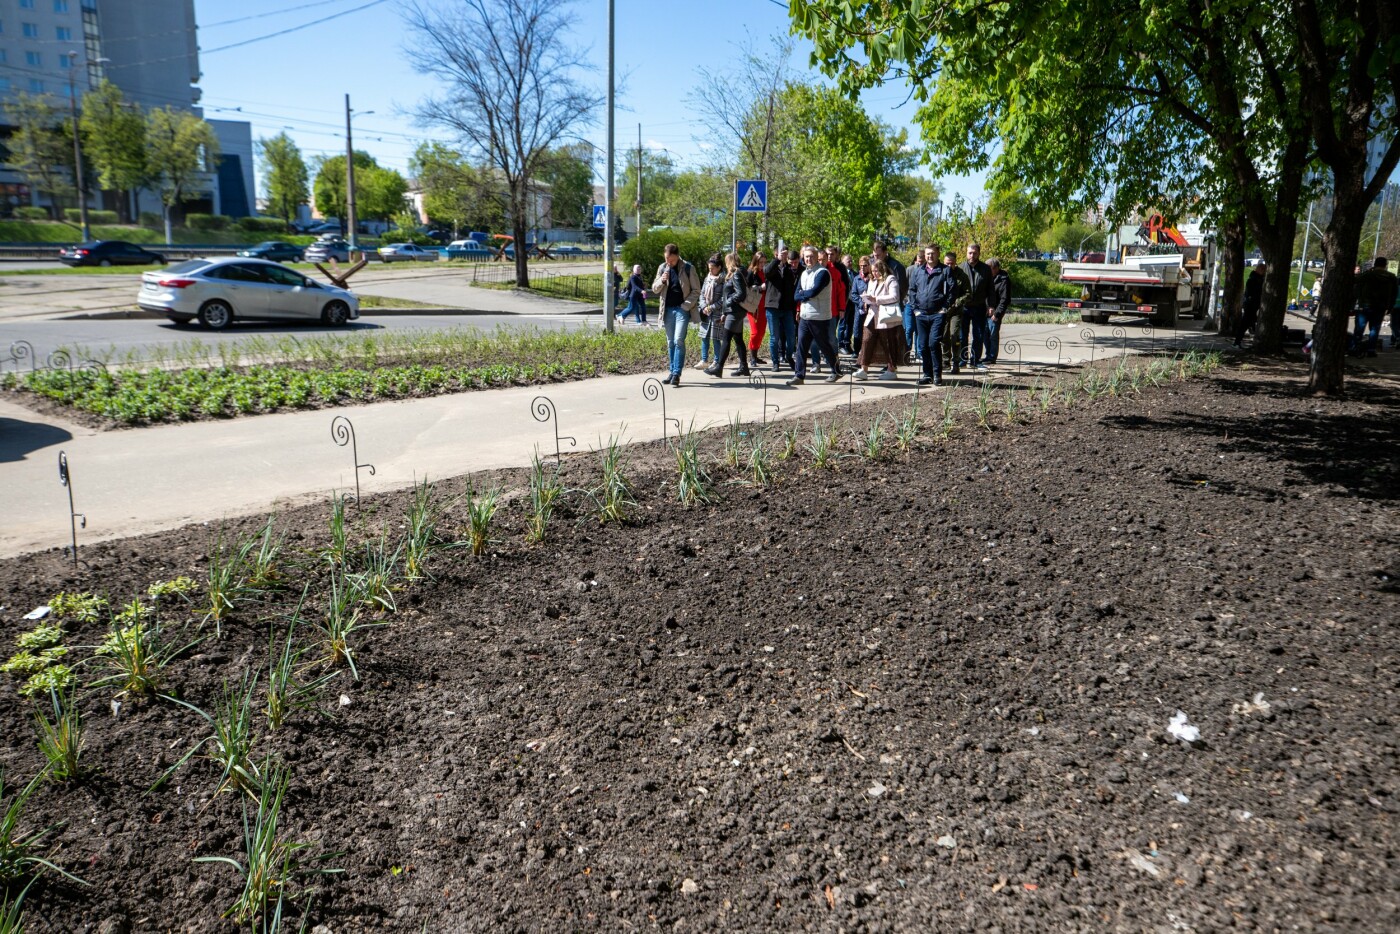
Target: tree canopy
{"type": "Point", "coordinates": [285, 175]}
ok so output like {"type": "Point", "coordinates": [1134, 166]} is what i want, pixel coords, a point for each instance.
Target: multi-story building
{"type": "Point", "coordinates": [147, 48]}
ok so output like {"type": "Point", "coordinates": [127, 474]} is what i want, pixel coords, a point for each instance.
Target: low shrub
{"type": "Point", "coordinates": [1029, 282]}
{"type": "Point", "coordinates": [74, 216]}
{"type": "Point", "coordinates": [31, 213]}
{"type": "Point", "coordinates": [150, 219]}
{"type": "Point", "coordinates": [207, 221]}
{"type": "Point", "coordinates": [262, 224]}
{"type": "Point", "coordinates": [696, 245]}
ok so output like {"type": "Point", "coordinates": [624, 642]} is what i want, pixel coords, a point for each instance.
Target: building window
{"type": "Point", "coordinates": [36, 86]}
{"type": "Point", "coordinates": [4, 56]}
{"type": "Point", "coordinates": [66, 59]}
{"type": "Point", "coordinates": [60, 6]}
{"type": "Point", "coordinates": [65, 33]}
{"type": "Point", "coordinates": [26, 4]}
{"type": "Point", "coordinates": [4, 85]}
{"type": "Point", "coordinates": [33, 59]}
{"type": "Point", "coordinates": [30, 30]}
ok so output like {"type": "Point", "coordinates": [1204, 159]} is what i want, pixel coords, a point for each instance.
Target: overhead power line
{"type": "Point", "coordinates": [283, 32]}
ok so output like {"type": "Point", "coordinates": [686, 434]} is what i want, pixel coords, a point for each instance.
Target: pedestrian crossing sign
{"type": "Point", "coordinates": [600, 216]}
{"type": "Point", "coordinates": [751, 194]}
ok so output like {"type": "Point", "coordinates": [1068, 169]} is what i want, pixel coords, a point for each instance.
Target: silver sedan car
{"type": "Point", "coordinates": [220, 291]}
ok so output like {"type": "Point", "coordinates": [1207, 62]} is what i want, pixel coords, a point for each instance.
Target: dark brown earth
{"type": "Point", "coordinates": [927, 693]}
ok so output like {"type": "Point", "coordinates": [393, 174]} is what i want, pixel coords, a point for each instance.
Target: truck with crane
{"type": "Point", "coordinates": [1164, 276]}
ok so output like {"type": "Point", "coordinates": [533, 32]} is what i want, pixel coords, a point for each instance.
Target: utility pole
{"type": "Point", "coordinates": [349, 177]}
{"type": "Point", "coordinates": [609, 298]}
{"type": "Point", "coordinates": [77, 147]}
{"type": "Point", "coordinates": [639, 178]}
{"type": "Point", "coordinates": [1303, 260]}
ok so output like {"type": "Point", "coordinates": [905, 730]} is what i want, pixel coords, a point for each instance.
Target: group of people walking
{"type": "Point", "coordinates": [817, 304]}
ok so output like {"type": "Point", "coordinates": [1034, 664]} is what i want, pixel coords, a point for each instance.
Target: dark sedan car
{"type": "Point", "coordinates": [274, 250]}
{"type": "Point", "coordinates": [109, 253]}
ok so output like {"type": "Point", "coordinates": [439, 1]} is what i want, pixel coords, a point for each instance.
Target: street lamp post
{"type": "Point", "coordinates": [80, 176]}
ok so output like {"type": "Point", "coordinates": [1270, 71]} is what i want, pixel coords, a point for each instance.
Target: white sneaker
{"type": "Point", "coordinates": [862, 373]}
{"type": "Point", "coordinates": [889, 374]}
{"type": "Point", "coordinates": [702, 365]}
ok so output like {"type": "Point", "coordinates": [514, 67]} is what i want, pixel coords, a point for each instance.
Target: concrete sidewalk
{"type": "Point", "coordinates": [133, 481]}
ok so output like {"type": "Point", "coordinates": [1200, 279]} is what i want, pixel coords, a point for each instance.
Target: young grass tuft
{"type": "Point", "coordinates": [948, 413]}
{"type": "Point", "coordinates": [12, 912]}
{"type": "Point", "coordinates": [1013, 406]}
{"type": "Point", "coordinates": [983, 405]}
{"type": "Point", "coordinates": [286, 692]}
{"type": "Point", "coordinates": [181, 587]}
{"type": "Point", "coordinates": [19, 853]}
{"type": "Point", "coordinates": [272, 863]}
{"type": "Point", "coordinates": [61, 739]}
{"type": "Point", "coordinates": [481, 509]}
{"type": "Point", "coordinates": [760, 462]}
{"type": "Point", "coordinates": [263, 572]}
{"type": "Point", "coordinates": [338, 550]}
{"type": "Point", "coordinates": [230, 745]}
{"type": "Point", "coordinates": [733, 440]}
{"type": "Point", "coordinates": [790, 435]}
{"type": "Point", "coordinates": [341, 621]}
{"type": "Point", "coordinates": [692, 480]}
{"type": "Point", "coordinates": [546, 487]}
{"type": "Point", "coordinates": [612, 498]}
{"type": "Point", "coordinates": [374, 585]}
{"type": "Point", "coordinates": [422, 540]}
{"type": "Point", "coordinates": [873, 444]}
{"type": "Point", "coordinates": [228, 584]}
{"type": "Point", "coordinates": [822, 447]}
{"type": "Point", "coordinates": [906, 428]}
{"type": "Point", "coordinates": [136, 653]}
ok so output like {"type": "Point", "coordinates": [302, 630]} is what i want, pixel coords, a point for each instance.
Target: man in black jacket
{"type": "Point", "coordinates": [979, 290]}
{"type": "Point", "coordinates": [1375, 294]}
{"type": "Point", "coordinates": [1253, 296]}
{"type": "Point", "coordinates": [932, 289]}
{"type": "Point", "coordinates": [781, 308]}
{"type": "Point", "coordinates": [999, 305]}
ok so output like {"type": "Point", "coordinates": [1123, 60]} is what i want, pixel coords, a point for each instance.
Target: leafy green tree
{"type": "Point", "coordinates": [658, 171]}
{"type": "Point", "coordinates": [181, 149]}
{"type": "Point", "coordinates": [569, 174]}
{"type": "Point", "coordinates": [1065, 236]}
{"type": "Point", "coordinates": [379, 193]}
{"type": "Point", "coordinates": [41, 147]}
{"type": "Point", "coordinates": [285, 175]}
{"type": "Point", "coordinates": [328, 189]}
{"type": "Point", "coordinates": [114, 143]}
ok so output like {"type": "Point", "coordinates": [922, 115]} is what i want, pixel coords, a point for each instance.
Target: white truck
{"type": "Point", "coordinates": [1162, 282]}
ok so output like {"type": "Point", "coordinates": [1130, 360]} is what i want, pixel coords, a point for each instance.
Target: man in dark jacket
{"type": "Point", "coordinates": [932, 289]}
{"type": "Point", "coordinates": [974, 304]}
{"type": "Point", "coordinates": [998, 306]}
{"type": "Point", "coordinates": [781, 309]}
{"type": "Point", "coordinates": [1375, 294]}
{"type": "Point", "coordinates": [1253, 296]}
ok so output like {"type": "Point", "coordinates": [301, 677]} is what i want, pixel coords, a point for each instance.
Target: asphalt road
{"type": "Point", "coordinates": [114, 338]}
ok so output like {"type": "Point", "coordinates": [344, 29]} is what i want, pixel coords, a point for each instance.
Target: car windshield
{"type": "Point", "coordinates": [189, 265]}
{"type": "Point", "coordinates": [267, 245]}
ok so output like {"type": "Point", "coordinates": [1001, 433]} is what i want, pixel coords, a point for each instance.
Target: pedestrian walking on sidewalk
{"type": "Point", "coordinates": [636, 292]}
{"type": "Point", "coordinates": [677, 289]}
{"type": "Point", "coordinates": [883, 324]}
{"type": "Point", "coordinates": [780, 279]}
{"type": "Point", "coordinates": [711, 302]}
{"type": "Point", "coordinates": [1253, 298]}
{"type": "Point", "coordinates": [757, 312]}
{"type": "Point", "coordinates": [932, 290]}
{"type": "Point", "coordinates": [814, 317]}
{"type": "Point", "coordinates": [730, 330]}
{"type": "Point", "coordinates": [997, 308]}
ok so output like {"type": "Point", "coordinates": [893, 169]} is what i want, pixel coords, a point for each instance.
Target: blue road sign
{"type": "Point", "coordinates": [600, 216]}
{"type": "Point", "coordinates": [751, 194]}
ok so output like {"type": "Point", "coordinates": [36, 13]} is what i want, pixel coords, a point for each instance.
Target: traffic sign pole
{"type": "Point", "coordinates": [734, 218]}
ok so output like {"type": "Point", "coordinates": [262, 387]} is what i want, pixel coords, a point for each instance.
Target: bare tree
{"type": "Point", "coordinates": [512, 88]}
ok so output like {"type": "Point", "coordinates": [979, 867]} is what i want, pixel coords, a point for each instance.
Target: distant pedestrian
{"type": "Point", "coordinates": [781, 310]}
{"type": "Point", "coordinates": [677, 287]}
{"type": "Point", "coordinates": [953, 339]}
{"type": "Point", "coordinates": [730, 329]}
{"type": "Point", "coordinates": [979, 288]}
{"type": "Point", "coordinates": [814, 317]}
{"type": "Point", "coordinates": [932, 290]}
{"type": "Point", "coordinates": [1375, 292]}
{"type": "Point", "coordinates": [1253, 296]}
{"type": "Point", "coordinates": [997, 307]}
{"type": "Point", "coordinates": [710, 304]}
{"type": "Point", "coordinates": [879, 252]}
{"type": "Point", "coordinates": [859, 283]}
{"type": "Point", "coordinates": [636, 297]}
{"type": "Point", "coordinates": [882, 323]}
{"type": "Point", "coordinates": [617, 287]}
{"type": "Point", "coordinates": [755, 281]}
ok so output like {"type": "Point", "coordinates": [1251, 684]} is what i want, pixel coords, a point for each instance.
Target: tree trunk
{"type": "Point", "coordinates": [1231, 273]}
{"type": "Point", "coordinates": [1275, 249]}
{"type": "Point", "coordinates": [169, 237]}
{"type": "Point", "coordinates": [1339, 247]}
{"type": "Point", "coordinates": [522, 262]}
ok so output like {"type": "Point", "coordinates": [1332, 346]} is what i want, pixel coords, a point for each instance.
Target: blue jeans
{"type": "Point", "coordinates": [930, 331]}
{"type": "Point", "coordinates": [637, 307]}
{"type": "Point", "coordinates": [782, 335]}
{"type": "Point", "coordinates": [911, 334]}
{"type": "Point", "coordinates": [677, 324]}
{"type": "Point", "coordinates": [1367, 335]}
{"type": "Point", "coordinates": [993, 340]}
{"type": "Point", "coordinates": [846, 326]}
{"type": "Point", "coordinates": [706, 341]}
{"type": "Point", "coordinates": [975, 320]}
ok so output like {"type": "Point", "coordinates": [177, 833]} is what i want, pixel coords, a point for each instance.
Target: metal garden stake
{"type": "Point", "coordinates": [343, 433]}
{"type": "Point", "coordinates": [653, 390]}
{"type": "Point", "coordinates": [542, 407]}
{"type": "Point", "coordinates": [73, 515]}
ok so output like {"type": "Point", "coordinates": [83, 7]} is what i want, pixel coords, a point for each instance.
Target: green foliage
{"type": "Point", "coordinates": [422, 540]}
{"type": "Point", "coordinates": [114, 141]}
{"type": "Point", "coordinates": [207, 221]}
{"type": "Point", "coordinates": [873, 445]}
{"type": "Point", "coordinates": [20, 852]}
{"type": "Point", "coordinates": [42, 636]}
{"type": "Point", "coordinates": [379, 192]}
{"type": "Point", "coordinates": [228, 583]}
{"type": "Point", "coordinates": [454, 192]}
{"type": "Point", "coordinates": [229, 746]}
{"type": "Point", "coordinates": [286, 691]}
{"type": "Point", "coordinates": [78, 607]}
{"type": "Point", "coordinates": [546, 487]}
{"type": "Point", "coordinates": [373, 584]}
{"type": "Point", "coordinates": [180, 148]}
{"type": "Point", "coordinates": [693, 482]}
{"type": "Point", "coordinates": [568, 171]}
{"type": "Point", "coordinates": [261, 225]}
{"type": "Point", "coordinates": [907, 428]}
{"type": "Point", "coordinates": [135, 654]}
{"type": "Point", "coordinates": [284, 175]}
{"type": "Point", "coordinates": [822, 447]}
{"type": "Point", "coordinates": [481, 509]}
{"type": "Point", "coordinates": [61, 739]}
{"type": "Point", "coordinates": [1029, 282]}
{"type": "Point", "coordinates": [75, 216]}
{"type": "Point", "coordinates": [31, 212]}
{"type": "Point", "coordinates": [41, 146]}
{"type": "Point", "coordinates": [696, 246]}
{"type": "Point", "coordinates": [341, 622]}
{"type": "Point", "coordinates": [760, 462]}
{"type": "Point", "coordinates": [733, 440]}
{"type": "Point", "coordinates": [25, 663]}
{"type": "Point", "coordinates": [337, 550]}
{"type": "Point", "coordinates": [612, 498]}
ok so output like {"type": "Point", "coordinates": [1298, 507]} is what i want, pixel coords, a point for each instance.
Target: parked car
{"type": "Point", "coordinates": [327, 249]}
{"type": "Point", "coordinates": [323, 228]}
{"type": "Point", "coordinates": [468, 249]}
{"type": "Point", "coordinates": [392, 252]}
{"type": "Point", "coordinates": [109, 253]}
{"type": "Point", "coordinates": [566, 251]}
{"type": "Point", "coordinates": [218, 292]}
{"type": "Point", "coordinates": [275, 250]}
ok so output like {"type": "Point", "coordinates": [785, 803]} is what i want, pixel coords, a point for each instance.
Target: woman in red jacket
{"type": "Point", "coordinates": [756, 282]}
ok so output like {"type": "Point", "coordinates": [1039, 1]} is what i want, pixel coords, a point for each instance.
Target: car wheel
{"type": "Point", "coordinates": [216, 315]}
{"type": "Point", "coordinates": [105, 262]}
{"type": "Point", "coordinates": [159, 260]}
{"type": "Point", "coordinates": [336, 314]}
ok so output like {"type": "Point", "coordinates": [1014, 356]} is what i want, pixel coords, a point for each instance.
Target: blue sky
{"type": "Point", "coordinates": [298, 82]}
